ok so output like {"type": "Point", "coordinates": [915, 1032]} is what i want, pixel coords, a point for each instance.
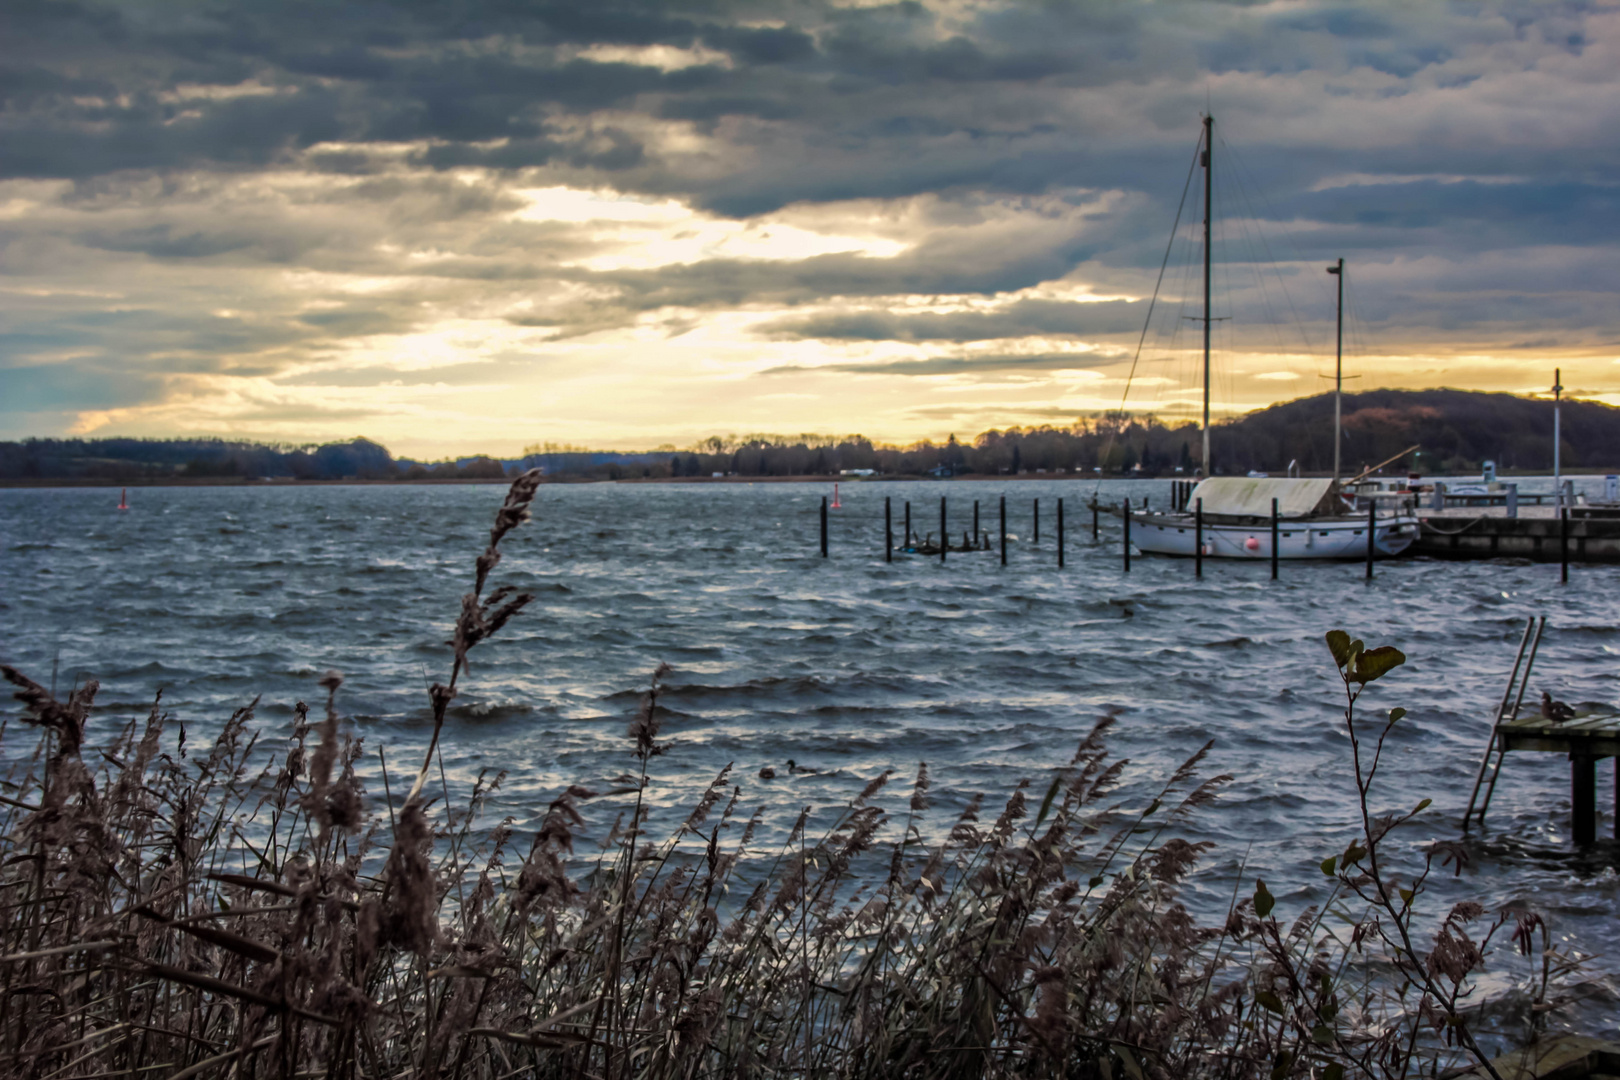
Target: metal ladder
{"type": "Point", "coordinates": [1533, 628]}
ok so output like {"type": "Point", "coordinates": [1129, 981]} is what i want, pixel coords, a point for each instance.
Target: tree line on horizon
{"type": "Point", "coordinates": [1455, 430]}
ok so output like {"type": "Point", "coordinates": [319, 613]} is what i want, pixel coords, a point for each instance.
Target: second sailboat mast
{"type": "Point", "coordinates": [1209, 187]}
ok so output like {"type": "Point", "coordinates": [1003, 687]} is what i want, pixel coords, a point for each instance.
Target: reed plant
{"type": "Point", "coordinates": [249, 910]}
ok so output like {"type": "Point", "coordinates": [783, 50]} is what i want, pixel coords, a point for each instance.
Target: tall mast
{"type": "Point", "coordinates": [1338, 370]}
{"type": "Point", "coordinates": [1209, 187]}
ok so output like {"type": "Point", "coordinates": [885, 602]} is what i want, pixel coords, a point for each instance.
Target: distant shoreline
{"type": "Point", "coordinates": [237, 481]}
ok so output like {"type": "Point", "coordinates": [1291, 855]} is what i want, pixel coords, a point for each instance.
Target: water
{"type": "Point", "coordinates": [846, 665]}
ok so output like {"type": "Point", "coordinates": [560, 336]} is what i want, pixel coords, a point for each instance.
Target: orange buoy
{"type": "Point", "coordinates": [836, 505]}
{"type": "Point", "coordinates": [123, 499]}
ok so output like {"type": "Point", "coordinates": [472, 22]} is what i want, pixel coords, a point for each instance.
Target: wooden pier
{"type": "Point", "coordinates": [1583, 736]}
{"type": "Point", "coordinates": [1584, 739]}
{"type": "Point", "coordinates": [1585, 534]}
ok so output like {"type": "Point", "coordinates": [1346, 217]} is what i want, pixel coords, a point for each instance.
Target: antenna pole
{"type": "Point", "coordinates": [1558, 390]}
{"type": "Point", "coordinates": [1338, 371]}
{"type": "Point", "coordinates": [1209, 188]}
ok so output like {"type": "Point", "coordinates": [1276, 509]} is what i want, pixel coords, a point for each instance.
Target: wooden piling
{"type": "Point", "coordinates": [824, 526]}
{"type": "Point", "coordinates": [975, 522]}
{"type": "Point", "coordinates": [1198, 539]}
{"type": "Point", "coordinates": [944, 537]}
{"type": "Point", "coordinates": [1037, 537]}
{"type": "Point", "coordinates": [1273, 539]}
{"type": "Point", "coordinates": [1004, 530]}
{"type": "Point", "coordinates": [1563, 541]}
{"type": "Point", "coordinates": [1372, 533]}
{"type": "Point", "coordinates": [907, 542]}
{"type": "Point", "coordinates": [1060, 534]}
{"type": "Point", "coordinates": [1126, 503]}
{"type": "Point", "coordinates": [1583, 798]}
{"type": "Point", "coordinates": [888, 528]}
{"type": "Point", "coordinates": [1094, 515]}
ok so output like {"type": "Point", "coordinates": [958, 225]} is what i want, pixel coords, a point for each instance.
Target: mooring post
{"type": "Point", "coordinates": [1126, 503]}
{"type": "Point", "coordinates": [1273, 539]}
{"type": "Point", "coordinates": [888, 528]}
{"type": "Point", "coordinates": [1060, 534]}
{"type": "Point", "coordinates": [907, 541]}
{"type": "Point", "coordinates": [1583, 798]}
{"type": "Point", "coordinates": [1198, 539]}
{"type": "Point", "coordinates": [1563, 541]}
{"type": "Point", "coordinates": [1372, 532]}
{"type": "Point", "coordinates": [944, 537]}
{"type": "Point", "coordinates": [1004, 530]}
{"type": "Point", "coordinates": [975, 522]}
{"type": "Point", "coordinates": [1094, 515]}
{"type": "Point", "coordinates": [824, 526]}
{"type": "Point", "coordinates": [1037, 538]}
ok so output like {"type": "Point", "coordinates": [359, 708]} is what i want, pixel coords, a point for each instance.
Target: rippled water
{"type": "Point", "coordinates": [847, 665]}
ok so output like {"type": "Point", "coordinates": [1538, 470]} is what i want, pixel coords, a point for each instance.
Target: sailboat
{"type": "Point", "coordinates": [1246, 517]}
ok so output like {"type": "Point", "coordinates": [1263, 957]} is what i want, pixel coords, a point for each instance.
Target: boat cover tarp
{"type": "Point", "coordinates": [1250, 496]}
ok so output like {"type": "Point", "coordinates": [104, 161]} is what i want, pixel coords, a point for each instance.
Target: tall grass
{"type": "Point", "coordinates": [251, 911]}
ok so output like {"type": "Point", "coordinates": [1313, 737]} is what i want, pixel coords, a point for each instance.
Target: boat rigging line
{"type": "Point", "coordinates": [1147, 322]}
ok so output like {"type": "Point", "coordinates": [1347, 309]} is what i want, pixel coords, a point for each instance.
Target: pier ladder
{"type": "Point", "coordinates": [1533, 628]}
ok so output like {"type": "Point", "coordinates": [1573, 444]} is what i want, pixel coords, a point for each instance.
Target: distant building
{"type": "Point", "coordinates": [857, 472]}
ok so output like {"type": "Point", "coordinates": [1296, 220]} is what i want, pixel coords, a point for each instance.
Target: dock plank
{"type": "Point", "coordinates": [1593, 735]}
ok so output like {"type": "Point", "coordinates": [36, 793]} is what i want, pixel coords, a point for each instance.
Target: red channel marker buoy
{"type": "Point", "coordinates": [123, 498]}
{"type": "Point", "coordinates": [836, 505]}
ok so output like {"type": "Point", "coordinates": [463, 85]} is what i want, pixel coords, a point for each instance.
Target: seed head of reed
{"type": "Point", "coordinates": [644, 728]}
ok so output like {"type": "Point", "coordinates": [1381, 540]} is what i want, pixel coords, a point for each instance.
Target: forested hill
{"type": "Point", "coordinates": [1455, 431]}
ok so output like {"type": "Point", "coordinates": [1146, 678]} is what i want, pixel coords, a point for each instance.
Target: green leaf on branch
{"type": "Point", "coordinates": [1334, 1071]}
{"type": "Point", "coordinates": [1352, 854]}
{"type": "Point", "coordinates": [1396, 713]}
{"type": "Point", "coordinates": [1263, 900]}
{"type": "Point", "coordinates": [1339, 643]}
{"type": "Point", "coordinates": [1374, 664]}
{"type": "Point", "coordinates": [1285, 1062]}
{"type": "Point", "coordinates": [1330, 864]}
{"type": "Point", "coordinates": [1322, 1035]}
{"type": "Point", "coordinates": [1422, 806]}
{"type": "Point", "coordinates": [1270, 1001]}
{"type": "Point", "coordinates": [1407, 894]}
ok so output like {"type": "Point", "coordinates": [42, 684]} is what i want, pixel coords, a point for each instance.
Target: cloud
{"type": "Point", "coordinates": [607, 217]}
{"type": "Point", "coordinates": [961, 365]}
{"type": "Point", "coordinates": [1025, 318]}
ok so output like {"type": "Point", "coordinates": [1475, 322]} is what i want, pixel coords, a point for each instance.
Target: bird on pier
{"type": "Point", "coordinates": [1556, 711]}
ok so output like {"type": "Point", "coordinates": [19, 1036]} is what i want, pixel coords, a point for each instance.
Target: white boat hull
{"type": "Point", "coordinates": [1316, 538]}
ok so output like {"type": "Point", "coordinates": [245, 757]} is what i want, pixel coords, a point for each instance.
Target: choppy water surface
{"type": "Point", "coordinates": [846, 665]}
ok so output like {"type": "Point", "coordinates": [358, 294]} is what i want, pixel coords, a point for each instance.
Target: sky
{"type": "Point", "coordinates": [467, 226]}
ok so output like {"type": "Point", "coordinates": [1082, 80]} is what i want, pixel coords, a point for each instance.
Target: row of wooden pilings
{"type": "Point", "coordinates": [1125, 545]}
